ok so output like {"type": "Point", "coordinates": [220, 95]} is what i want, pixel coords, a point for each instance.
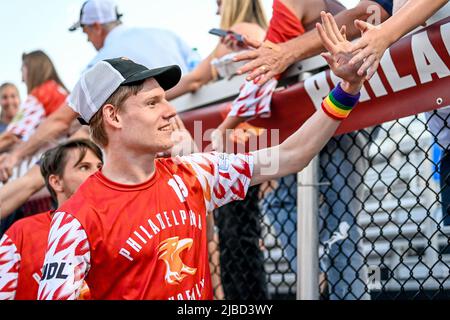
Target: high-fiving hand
{"type": "Point", "coordinates": [339, 50]}
{"type": "Point", "coordinates": [369, 48]}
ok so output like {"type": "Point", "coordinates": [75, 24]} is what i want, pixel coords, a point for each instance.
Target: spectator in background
{"type": "Point", "coordinates": [23, 247]}
{"type": "Point", "coordinates": [290, 18]}
{"type": "Point", "coordinates": [151, 47]}
{"type": "Point", "coordinates": [438, 122]}
{"type": "Point", "coordinates": [337, 211]}
{"type": "Point", "coordinates": [245, 17]}
{"type": "Point", "coordinates": [374, 42]}
{"type": "Point", "coordinates": [9, 104]}
{"type": "Point", "coordinates": [269, 60]}
{"type": "Point", "coordinates": [372, 45]}
{"type": "Point", "coordinates": [15, 193]}
{"type": "Point", "coordinates": [46, 93]}
{"type": "Point", "coordinates": [100, 20]}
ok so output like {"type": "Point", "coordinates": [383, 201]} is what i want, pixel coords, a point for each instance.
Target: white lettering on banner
{"type": "Point", "coordinates": [426, 58]}
{"type": "Point", "coordinates": [397, 82]}
{"type": "Point", "coordinates": [317, 88]}
{"type": "Point", "coordinates": [445, 31]}
{"type": "Point", "coordinates": [377, 86]}
{"type": "Point", "coordinates": [140, 237]}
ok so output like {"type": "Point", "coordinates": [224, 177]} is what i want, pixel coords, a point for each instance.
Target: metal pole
{"type": "Point", "coordinates": [308, 235]}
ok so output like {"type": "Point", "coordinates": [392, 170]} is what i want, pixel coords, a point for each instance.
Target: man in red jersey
{"type": "Point", "coordinates": [136, 228]}
{"type": "Point", "coordinates": [23, 246]}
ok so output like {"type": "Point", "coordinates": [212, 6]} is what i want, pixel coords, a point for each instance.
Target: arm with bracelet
{"type": "Point", "coordinates": [294, 154]}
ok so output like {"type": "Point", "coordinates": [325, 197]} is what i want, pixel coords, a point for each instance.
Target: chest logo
{"type": "Point", "coordinates": [169, 251]}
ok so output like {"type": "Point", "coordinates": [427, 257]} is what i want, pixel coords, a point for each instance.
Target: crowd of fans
{"type": "Point", "coordinates": [42, 143]}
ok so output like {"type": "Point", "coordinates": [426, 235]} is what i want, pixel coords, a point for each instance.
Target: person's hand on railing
{"type": "Point", "coordinates": [7, 163]}
{"type": "Point", "coordinates": [370, 47]}
{"type": "Point", "coordinates": [267, 60]}
{"type": "Point", "coordinates": [339, 53]}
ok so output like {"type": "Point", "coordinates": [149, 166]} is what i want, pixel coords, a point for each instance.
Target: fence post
{"type": "Point", "coordinates": [308, 235]}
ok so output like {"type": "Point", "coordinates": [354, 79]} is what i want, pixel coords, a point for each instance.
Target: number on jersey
{"type": "Point", "coordinates": [179, 187]}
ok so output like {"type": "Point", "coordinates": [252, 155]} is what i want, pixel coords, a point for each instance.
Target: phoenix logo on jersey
{"type": "Point", "coordinates": [169, 251]}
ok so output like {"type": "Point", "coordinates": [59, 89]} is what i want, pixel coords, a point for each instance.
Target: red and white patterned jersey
{"type": "Point", "coordinates": [22, 251]}
{"type": "Point", "coordinates": [145, 241]}
{"type": "Point", "coordinates": [253, 100]}
{"type": "Point", "coordinates": [40, 103]}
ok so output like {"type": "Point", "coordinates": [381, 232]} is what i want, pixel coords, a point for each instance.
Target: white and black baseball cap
{"type": "Point", "coordinates": [100, 11]}
{"type": "Point", "coordinates": [97, 84]}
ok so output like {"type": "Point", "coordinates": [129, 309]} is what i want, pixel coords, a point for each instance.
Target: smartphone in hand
{"type": "Point", "coordinates": [223, 33]}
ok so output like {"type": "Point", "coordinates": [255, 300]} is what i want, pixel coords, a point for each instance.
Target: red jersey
{"type": "Point", "coordinates": [145, 241]}
{"type": "Point", "coordinates": [22, 251]}
{"type": "Point", "coordinates": [284, 24]}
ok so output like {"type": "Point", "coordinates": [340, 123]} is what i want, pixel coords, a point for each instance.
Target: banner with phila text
{"type": "Point", "coordinates": [413, 77]}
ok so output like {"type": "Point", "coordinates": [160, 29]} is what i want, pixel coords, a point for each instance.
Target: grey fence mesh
{"type": "Point", "coordinates": [384, 221]}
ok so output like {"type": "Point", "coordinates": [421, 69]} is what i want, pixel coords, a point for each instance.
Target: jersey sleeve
{"type": "Point", "coordinates": [9, 268]}
{"type": "Point", "coordinates": [27, 119]}
{"type": "Point", "coordinates": [67, 260]}
{"type": "Point", "coordinates": [224, 177]}
{"type": "Point", "coordinates": [254, 100]}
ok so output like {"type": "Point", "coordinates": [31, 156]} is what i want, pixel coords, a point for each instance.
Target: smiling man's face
{"type": "Point", "coordinates": [147, 120]}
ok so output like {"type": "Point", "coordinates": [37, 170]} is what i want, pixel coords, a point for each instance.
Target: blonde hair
{"type": "Point", "coordinates": [237, 11]}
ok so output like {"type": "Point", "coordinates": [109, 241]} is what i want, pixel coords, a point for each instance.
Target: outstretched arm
{"type": "Point", "coordinates": [376, 39]}
{"type": "Point", "coordinates": [300, 148]}
{"type": "Point", "coordinates": [7, 140]}
{"type": "Point", "coordinates": [270, 59]}
{"type": "Point", "coordinates": [15, 193]}
{"type": "Point", "coordinates": [51, 128]}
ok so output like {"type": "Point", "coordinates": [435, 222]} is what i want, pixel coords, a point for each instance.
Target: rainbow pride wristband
{"type": "Point", "coordinates": [339, 103]}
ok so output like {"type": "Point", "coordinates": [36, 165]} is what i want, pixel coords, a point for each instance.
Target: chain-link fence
{"type": "Point", "coordinates": [384, 220]}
